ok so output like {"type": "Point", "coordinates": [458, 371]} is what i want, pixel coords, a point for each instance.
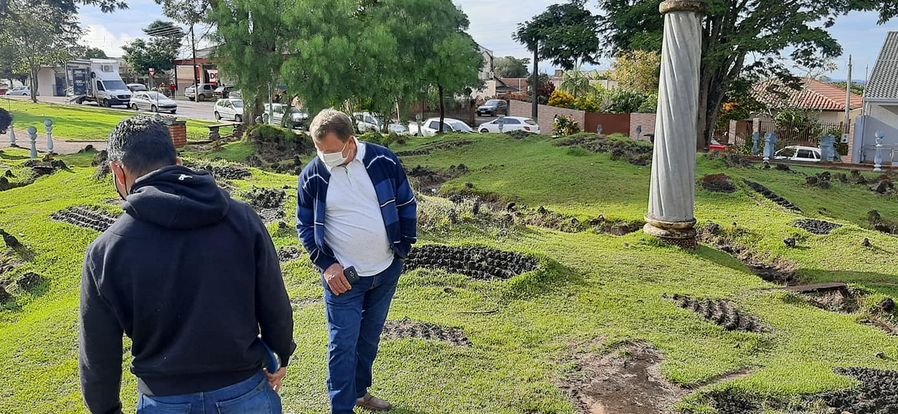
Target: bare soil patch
{"type": "Point", "coordinates": [780, 272]}
{"type": "Point", "coordinates": [288, 254]}
{"type": "Point", "coordinates": [877, 393]}
{"type": "Point", "coordinates": [634, 152]}
{"type": "Point", "coordinates": [406, 328]}
{"type": "Point", "coordinates": [475, 262]}
{"type": "Point", "coordinates": [881, 224]}
{"type": "Point", "coordinates": [431, 148]}
{"type": "Point", "coordinates": [429, 181]}
{"type": "Point", "coordinates": [29, 281]}
{"type": "Point", "coordinates": [268, 202]}
{"type": "Point", "coordinates": [626, 380]}
{"type": "Point", "coordinates": [86, 217]}
{"type": "Point", "coordinates": [718, 183]}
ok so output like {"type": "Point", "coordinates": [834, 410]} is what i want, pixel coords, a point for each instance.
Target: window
{"type": "Point", "coordinates": [237, 104]}
{"type": "Point", "coordinates": [434, 125]}
{"type": "Point", "coordinates": [530, 122]}
{"type": "Point", "coordinates": [207, 87]}
{"type": "Point", "coordinates": [509, 121]}
{"type": "Point", "coordinates": [807, 154]}
{"type": "Point", "coordinates": [100, 86]}
{"type": "Point", "coordinates": [115, 84]}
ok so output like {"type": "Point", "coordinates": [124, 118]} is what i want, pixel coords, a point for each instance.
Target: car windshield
{"type": "Point", "coordinates": [460, 126]}
{"type": "Point", "coordinates": [530, 122]}
{"type": "Point", "coordinates": [492, 103]}
{"type": "Point", "coordinates": [237, 103]}
{"type": "Point", "coordinates": [155, 95]}
{"type": "Point", "coordinates": [278, 108]}
{"type": "Point", "coordinates": [114, 84]}
{"type": "Point", "coordinates": [786, 151]}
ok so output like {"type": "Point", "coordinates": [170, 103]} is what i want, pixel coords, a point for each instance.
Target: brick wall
{"type": "Point", "coordinates": [646, 121]}
{"type": "Point", "coordinates": [178, 131]}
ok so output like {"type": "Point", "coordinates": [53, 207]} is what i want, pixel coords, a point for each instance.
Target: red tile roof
{"type": "Point", "coordinates": [814, 96]}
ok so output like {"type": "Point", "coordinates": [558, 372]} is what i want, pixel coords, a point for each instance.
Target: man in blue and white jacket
{"type": "Point", "coordinates": [356, 209]}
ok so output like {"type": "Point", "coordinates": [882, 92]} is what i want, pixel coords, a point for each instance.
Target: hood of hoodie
{"type": "Point", "coordinates": [177, 197]}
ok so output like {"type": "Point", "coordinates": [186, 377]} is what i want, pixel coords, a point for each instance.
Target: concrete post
{"type": "Point", "coordinates": [32, 135]}
{"type": "Point", "coordinates": [756, 143]}
{"type": "Point", "coordinates": [828, 148]}
{"type": "Point", "coordinates": [671, 212]}
{"type": "Point", "coordinates": [877, 157]}
{"type": "Point", "coordinates": [48, 124]}
{"type": "Point", "coordinates": [12, 134]}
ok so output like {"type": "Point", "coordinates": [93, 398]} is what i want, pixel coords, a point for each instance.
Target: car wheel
{"type": "Point", "coordinates": [105, 103]}
{"type": "Point", "coordinates": [265, 119]}
{"type": "Point", "coordinates": [217, 116]}
{"type": "Point", "coordinates": [173, 111]}
{"type": "Point", "coordinates": [238, 118]}
{"type": "Point", "coordinates": [484, 131]}
{"type": "Point", "coordinates": [134, 107]}
{"type": "Point", "coordinates": [154, 108]}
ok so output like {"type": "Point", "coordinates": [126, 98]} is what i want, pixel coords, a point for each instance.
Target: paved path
{"type": "Point", "coordinates": [186, 109]}
{"type": "Point", "coordinates": [59, 146]}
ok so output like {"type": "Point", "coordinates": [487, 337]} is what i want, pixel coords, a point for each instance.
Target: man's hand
{"type": "Point", "coordinates": [336, 280]}
{"type": "Point", "coordinates": [274, 380]}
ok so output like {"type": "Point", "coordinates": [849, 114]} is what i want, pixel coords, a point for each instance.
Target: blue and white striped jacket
{"type": "Point", "coordinates": [397, 204]}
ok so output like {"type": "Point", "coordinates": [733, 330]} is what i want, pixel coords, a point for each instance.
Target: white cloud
{"type": "Point", "coordinates": [98, 36]}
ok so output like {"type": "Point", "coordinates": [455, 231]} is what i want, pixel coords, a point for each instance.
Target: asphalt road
{"type": "Point", "coordinates": [186, 109]}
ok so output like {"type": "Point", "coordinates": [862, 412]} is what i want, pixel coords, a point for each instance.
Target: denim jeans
{"type": "Point", "coordinates": [250, 396]}
{"type": "Point", "coordinates": [355, 321]}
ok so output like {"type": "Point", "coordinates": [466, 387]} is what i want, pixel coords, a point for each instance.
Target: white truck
{"type": "Point", "coordinates": [97, 80]}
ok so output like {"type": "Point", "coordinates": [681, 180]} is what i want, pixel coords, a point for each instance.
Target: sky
{"type": "Point", "coordinates": [492, 22]}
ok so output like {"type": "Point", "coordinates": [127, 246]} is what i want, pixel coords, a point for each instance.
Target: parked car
{"type": "Point", "coordinates": [235, 93]}
{"type": "Point", "coordinates": [367, 121]}
{"type": "Point", "coordinates": [229, 109]}
{"type": "Point", "coordinates": [153, 101]}
{"type": "Point", "coordinates": [798, 153]}
{"type": "Point", "coordinates": [206, 91]}
{"type": "Point", "coordinates": [19, 91]}
{"type": "Point", "coordinates": [430, 126]}
{"type": "Point", "coordinates": [509, 123]}
{"type": "Point", "coordinates": [137, 87]}
{"type": "Point", "coordinates": [296, 118]}
{"type": "Point", "coordinates": [222, 92]}
{"type": "Point", "coordinates": [493, 107]}
{"type": "Point", "coordinates": [397, 128]}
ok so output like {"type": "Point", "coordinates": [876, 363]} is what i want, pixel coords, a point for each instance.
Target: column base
{"type": "Point", "coordinates": [681, 233]}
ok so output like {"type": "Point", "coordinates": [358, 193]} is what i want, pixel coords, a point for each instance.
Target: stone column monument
{"type": "Point", "coordinates": [672, 196]}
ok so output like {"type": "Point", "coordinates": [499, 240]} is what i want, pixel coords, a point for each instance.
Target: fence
{"type": "Point", "coordinates": [462, 109]}
{"type": "Point", "coordinates": [802, 134]}
{"type": "Point", "coordinates": [636, 125]}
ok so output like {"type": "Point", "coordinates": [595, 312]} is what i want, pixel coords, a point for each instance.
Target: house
{"type": "Point", "coordinates": [880, 107]}
{"type": "Point", "coordinates": [823, 101]}
{"type": "Point", "coordinates": [206, 70]}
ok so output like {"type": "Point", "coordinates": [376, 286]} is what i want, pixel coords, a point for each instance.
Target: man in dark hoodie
{"type": "Point", "coordinates": [192, 277]}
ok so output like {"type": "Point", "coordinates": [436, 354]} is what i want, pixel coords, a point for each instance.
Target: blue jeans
{"type": "Point", "coordinates": [250, 396]}
{"type": "Point", "coordinates": [355, 321]}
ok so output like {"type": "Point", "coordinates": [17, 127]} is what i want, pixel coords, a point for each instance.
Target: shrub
{"type": "Point", "coordinates": [564, 126]}
{"type": "Point", "coordinates": [562, 99]}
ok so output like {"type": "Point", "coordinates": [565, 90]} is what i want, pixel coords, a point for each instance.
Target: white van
{"type": "Point", "coordinates": [98, 80]}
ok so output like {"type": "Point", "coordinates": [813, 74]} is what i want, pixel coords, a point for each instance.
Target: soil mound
{"type": "Point", "coordinates": [407, 328]}
{"type": "Point", "coordinates": [770, 195]}
{"type": "Point", "coordinates": [86, 217]}
{"type": "Point", "coordinates": [819, 227]}
{"type": "Point", "coordinates": [718, 183]}
{"type": "Point", "coordinates": [474, 262]}
{"type": "Point", "coordinates": [721, 313]}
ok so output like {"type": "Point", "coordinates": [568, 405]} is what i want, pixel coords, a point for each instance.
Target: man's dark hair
{"type": "Point", "coordinates": [5, 120]}
{"type": "Point", "coordinates": [142, 144]}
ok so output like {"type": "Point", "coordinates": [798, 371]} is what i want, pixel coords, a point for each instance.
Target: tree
{"type": "Point", "coordinates": [637, 70]}
{"type": "Point", "coordinates": [42, 36]}
{"type": "Point", "coordinates": [251, 45]}
{"type": "Point", "coordinates": [378, 52]}
{"type": "Point", "coordinates": [740, 38]}
{"type": "Point", "coordinates": [158, 51]}
{"type": "Point", "coordinates": [575, 82]}
{"type": "Point", "coordinates": [567, 34]}
{"type": "Point", "coordinates": [511, 67]}
{"type": "Point", "coordinates": [93, 53]}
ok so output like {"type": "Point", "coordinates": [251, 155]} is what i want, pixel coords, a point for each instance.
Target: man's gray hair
{"type": "Point", "coordinates": [331, 121]}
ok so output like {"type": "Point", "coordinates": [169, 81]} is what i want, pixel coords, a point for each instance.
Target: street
{"type": "Point", "coordinates": [186, 109]}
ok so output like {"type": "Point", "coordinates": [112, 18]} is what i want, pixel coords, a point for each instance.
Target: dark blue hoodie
{"type": "Point", "coordinates": [192, 277]}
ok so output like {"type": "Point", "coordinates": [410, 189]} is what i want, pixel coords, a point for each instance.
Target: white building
{"type": "Point", "coordinates": [880, 107]}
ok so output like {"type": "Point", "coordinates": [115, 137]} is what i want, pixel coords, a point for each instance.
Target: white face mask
{"type": "Point", "coordinates": [333, 159]}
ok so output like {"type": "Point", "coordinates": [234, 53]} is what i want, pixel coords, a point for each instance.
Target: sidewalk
{"type": "Point", "coordinates": [59, 146]}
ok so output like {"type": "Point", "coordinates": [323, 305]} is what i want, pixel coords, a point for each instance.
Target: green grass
{"type": "Point", "coordinates": [593, 289]}
{"type": "Point", "coordinates": [81, 122]}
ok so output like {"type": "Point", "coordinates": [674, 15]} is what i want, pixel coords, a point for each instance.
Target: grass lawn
{"type": "Point", "coordinates": [593, 291]}
{"type": "Point", "coordinates": [81, 122]}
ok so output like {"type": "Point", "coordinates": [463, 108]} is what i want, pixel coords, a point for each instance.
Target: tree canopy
{"type": "Point", "coordinates": [566, 34]}
{"type": "Point", "coordinates": [158, 51]}
{"type": "Point", "coordinates": [638, 70]}
{"type": "Point", "coordinates": [741, 39]}
{"type": "Point", "coordinates": [511, 67]}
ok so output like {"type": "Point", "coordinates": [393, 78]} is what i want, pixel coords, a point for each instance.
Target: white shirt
{"type": "Point", "coordinates": [353, 225]}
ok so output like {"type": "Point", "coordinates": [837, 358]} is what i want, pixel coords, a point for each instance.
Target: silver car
{"type": "Point", "coordinates": [153, 101]}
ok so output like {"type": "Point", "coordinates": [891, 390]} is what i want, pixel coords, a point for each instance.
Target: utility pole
{"type": "Point", "coordinates": [848, 99]}
{"type": "Point", "coordinates": [196, 81]}
{"type": "Point", "coordinates": [534, 83]}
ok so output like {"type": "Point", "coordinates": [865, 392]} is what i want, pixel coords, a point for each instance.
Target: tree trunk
{"type": "Point", "coordinates": [534, 83]}
{"type": "Point", "coordinates": [33, 83]}
{"type": "Point", "coordinates": [442, 108]}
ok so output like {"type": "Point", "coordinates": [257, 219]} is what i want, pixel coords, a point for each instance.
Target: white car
{"type": "Point", "coordinates": [397, 128]}
{"type": "Point", "coordinates": [19, 91]}
{"type": "Point", "coordinates": [153, 101]}
{"type": "Point", "coordinates": [508, 124]}
{"type": "Point", "coordinates": [296, 119]}
{"type": "Point", "coordinates": [366, 121]}
{"type": "Point", "coordinates": [207, 91]}
{"type": "Point", "coordinates": [798, 153]}
{"type": "Point", "coordinates": [430, 126]}
{"type": "Point", "coordinates": [137, 87]}
{"type": "Point", "coordinates": [229, 109]}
